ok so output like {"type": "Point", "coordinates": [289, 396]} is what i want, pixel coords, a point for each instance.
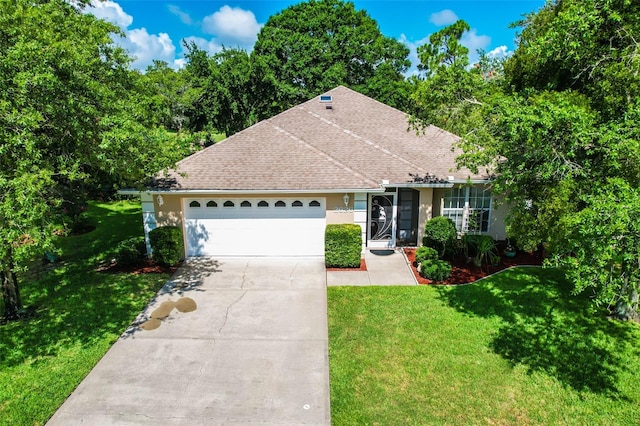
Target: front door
{"type": "Point", "coordinates": [381, 221]}
{"type": "Point", "coordinates": [408, 212]}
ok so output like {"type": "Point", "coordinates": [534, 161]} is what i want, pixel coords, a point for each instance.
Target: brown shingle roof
{"type": "Point", "coordinates": [354, 145]}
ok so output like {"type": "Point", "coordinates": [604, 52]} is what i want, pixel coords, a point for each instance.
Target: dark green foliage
{"type": "Point", "coordinates": [426, 253]}
{"type": "Point", "coordinates": [440, 233]}
{"type": "Point", "coordinates": [480, 248]}
{"type": "Point", "coordinates": [167, 245]}
{"type": "Point", "coordinates": [435, 270]}
{"type": "Point", "coordinates": [130, 251]}
{"type": "Point", "coordinates": [316, 45]}
{"type": "Point", "coordinates": [343, 245]}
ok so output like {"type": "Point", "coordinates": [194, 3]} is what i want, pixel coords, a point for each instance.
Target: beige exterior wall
{"type": "Point", "coordinates": [336, 211]}
{"type": "Point", "coordinates": [498, 214]}
{"type": "Point", "coordinates": [426, 210]}
{"type": "Point", "coordinates": [170, 212]}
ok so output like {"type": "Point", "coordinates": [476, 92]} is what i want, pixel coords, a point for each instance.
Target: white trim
{"type": "Point", "coordinates": [148, 218]}
{"type": "Point", "coordinates": [360, 215]}
{"type": "Point", "coordinates": [420, 185]}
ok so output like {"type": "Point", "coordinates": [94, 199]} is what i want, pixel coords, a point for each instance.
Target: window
{"type": "Point", "coordinates": [280, 204]}
{"type": "Point", "coordinates": [228, 204]}
{"type": "Point", "coordinates": [314, 203]}
{"type": "Point", "coordinates": [194, 204]}
{"type": "Point", "coordinates": [212, 204]}
{"type": "Point", "coordinates": [263, 204]}
{"type": "Point", "coordinates": [245, 204]}
{"type": "Point", "coordinates": [469, 208]}
{"type": "Point", "coordinates": [297, 203]}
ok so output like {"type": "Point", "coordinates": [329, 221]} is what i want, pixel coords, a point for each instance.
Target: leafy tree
{"type": "Point", "coordinates": [226, 92]}
{"type": "Point", "coordinates": [559, 130]}
{"type": "Point", "coordinates": [313, 46]}
{"type": "Point", "coordinates": [449, 92]}
{"type": "Point", "coordinates": [166, 89]}
{"type": "Point", "coordinates": [70, 110]}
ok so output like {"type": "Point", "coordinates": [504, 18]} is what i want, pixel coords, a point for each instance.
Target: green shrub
{"type": "Point", "coordinates": [167, 246]}
{"type": "Point", "coordinates": [435, 270]}
{"type": "Point", "coordinates": [130, 251]}
{"type": "Point", "coordinates": [440, 233]}
{"type": "Point", "coordinates": [425, 253]}
{"type": "Point", "coordinates": [480, 249]}
{"type": "Point", "coordinates": [343, 245]}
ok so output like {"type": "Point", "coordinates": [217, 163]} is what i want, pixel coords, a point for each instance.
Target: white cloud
{"type": "Point", "coordinates": [500, 52]}
{"type": "Point", "coordinates": [142, 46]}
{"type": "Point", "coordinates": [110, 11]}
{"type": "Point", "coordinates": [185, 18]}
{"type": "Point", "coordinates": [444, 17]}
{"type": "Point", "coordinates": [472, 41]}
{"type": "Point", "coordinates": [413, 52]}
{"type": "Point", "coordinates": [145, 47]}
{"type": "Point", "coordinates": [233, 27]}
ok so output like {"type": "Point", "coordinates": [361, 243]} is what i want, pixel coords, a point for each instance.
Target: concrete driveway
{"type": "Point", "coordinates": [254, 351]}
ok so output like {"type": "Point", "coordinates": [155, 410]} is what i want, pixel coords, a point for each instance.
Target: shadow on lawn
{"type": "Point", "coordinates": [75, 306]}
{"type": "Point", "coordinates": [546, 328]}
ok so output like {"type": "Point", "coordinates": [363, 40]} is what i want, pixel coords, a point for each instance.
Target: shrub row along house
{"type": "Point", "coordinates": [342, 157]}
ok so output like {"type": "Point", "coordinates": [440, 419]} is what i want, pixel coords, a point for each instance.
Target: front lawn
{"type": "Point", "coordinates": [514, 349]}
{"type": "Point", "coordinates": [77, 315]}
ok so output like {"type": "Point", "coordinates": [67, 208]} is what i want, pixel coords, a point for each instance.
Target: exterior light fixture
{"type": "Point", "coordinates": [346, 200]}
{"type": "Point", "coordinates": [160, 200]}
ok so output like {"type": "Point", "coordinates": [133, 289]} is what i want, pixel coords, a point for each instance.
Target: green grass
{"type": "Point", "coordinates": [79, 313]}
{"type": "Point", "coordinates": [515, 349]}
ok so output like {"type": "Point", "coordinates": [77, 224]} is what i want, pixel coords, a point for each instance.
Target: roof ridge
{"type": "Point", "coordinates": [360, 138]}
{"type": "Point", "coordinates": [323, 154]}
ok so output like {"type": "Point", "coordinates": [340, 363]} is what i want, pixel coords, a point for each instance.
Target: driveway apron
{"type": "Point", "coordinates": [252, 349]}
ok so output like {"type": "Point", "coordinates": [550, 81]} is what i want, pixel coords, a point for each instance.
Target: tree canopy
{"type": "Point", "coordinates": [559, 130]}
{"type": "Point", "coordinates": [305, 50]}
{"type": "Point", "coordinates": [71, 111]}
{"type": "Point", "coordinates": [316, 45]}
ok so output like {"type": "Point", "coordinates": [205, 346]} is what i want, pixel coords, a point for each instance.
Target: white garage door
{"type": "Point", "coordinates": [255, 226]}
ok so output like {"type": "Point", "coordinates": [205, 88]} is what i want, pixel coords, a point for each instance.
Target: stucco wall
{"type": "Point", "coordinates": [426, 210]}
{"type": "Point", "coordinates": [498, 214]}
{"type": "Point", "coordinates": [170, 212]}
{"type": "Point", "coordinates": [336, 210]}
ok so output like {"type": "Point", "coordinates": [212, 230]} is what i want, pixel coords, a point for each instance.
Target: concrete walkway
{"type": "Point", "coordinates": [384, 267]}
{"type": "Point", "coordinates": [254, 351]}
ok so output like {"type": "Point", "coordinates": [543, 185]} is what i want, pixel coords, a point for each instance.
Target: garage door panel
{"type": "Point", "coordinates": [256, 231]}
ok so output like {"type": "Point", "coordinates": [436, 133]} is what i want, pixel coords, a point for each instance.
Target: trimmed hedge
{"type": "Point", "coordinates": [130, 251]}
{"type": "Point", "coordinates": [167, 245]}
{"type": "Point", "coordinates": [435, 270]}
{"type": "Point", "coordinates": [342, 245]}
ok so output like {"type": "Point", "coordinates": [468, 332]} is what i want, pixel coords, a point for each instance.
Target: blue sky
{"type": "Point", "coordinates": [154, 29]}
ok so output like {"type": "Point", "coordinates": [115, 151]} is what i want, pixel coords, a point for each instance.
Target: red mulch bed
{"type": "Point", "coordinates": [363, 267]}
{"type": "Point", "coordinates": [464, 273]}
{"type": "Point", "coordinates": [145, 267]}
